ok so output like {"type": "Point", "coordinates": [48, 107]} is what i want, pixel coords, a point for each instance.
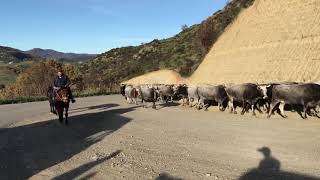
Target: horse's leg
{"type": "Point", "coordinates": [66, 116]}
{"type": "Point", "coordinates": [60, 114]}
{"type": "Point", "coordinates": [50, 106]}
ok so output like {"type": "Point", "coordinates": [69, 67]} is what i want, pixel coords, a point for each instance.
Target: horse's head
{"type": "Point", "coordinates": [63, 95]}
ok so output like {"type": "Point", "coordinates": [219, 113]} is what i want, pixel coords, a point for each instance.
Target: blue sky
{"type": "Point", "coordinates": [95, 26]}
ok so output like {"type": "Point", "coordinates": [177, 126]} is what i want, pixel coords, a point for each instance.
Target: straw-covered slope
{"type": "Point", "coordinates": [157, 77]}
{"type": "Point", "coordinates": [273, 40]}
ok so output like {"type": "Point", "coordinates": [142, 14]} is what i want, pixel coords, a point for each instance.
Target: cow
{"type": "Point", "coordinates": [181, 92]}
{"type": "Point", "coordinates": [129, 92]}
{"type": "Point", "coordinates": [267, 89]}
{"type": "Point", "coordinates": [193, 95]}
{"type": "Point", "coordinates": [212, 93]}
{"type": "Point", "coordinates": [307, 95]}
{"type": "Point", "coordinates": [122, 89]}
{"type": "Point", "coordinates": [246, 94]}
{"type": "Point", "coordinates": [165, 92]}
{"type": "Point", "coordinates": [147, 94]}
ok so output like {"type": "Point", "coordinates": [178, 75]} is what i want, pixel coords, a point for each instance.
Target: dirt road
{"type": "Point", "coordinates": [109, 139]}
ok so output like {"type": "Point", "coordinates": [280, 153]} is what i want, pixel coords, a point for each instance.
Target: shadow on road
{"type": "Point", "coordinates": [85, 167]}
{"type": "Point", "coordinates": [165, 176]}
{"type": "Point", "coordinates": [269, 168]}
{"type": "Point", "coordinates": [100, 107]}
{"type": "Point", "coordinates": [32, 148]}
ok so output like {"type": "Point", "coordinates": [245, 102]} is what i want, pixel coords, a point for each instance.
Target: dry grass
{"type": "Point", "coordinates": [271, 41]}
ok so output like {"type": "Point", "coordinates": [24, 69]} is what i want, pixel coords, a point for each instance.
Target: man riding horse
{"type": "Point", "coordinates": [62, 81]}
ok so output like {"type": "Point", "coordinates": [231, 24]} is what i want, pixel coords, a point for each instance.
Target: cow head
{"type": "Point", "coordinates": [264, 90]}
{"type": "Point", "coordinates": [138, 92]}
{"type": "Point", "coordinates": [122, 89]}
{"type": "Point", "coordinates": [177, 88]}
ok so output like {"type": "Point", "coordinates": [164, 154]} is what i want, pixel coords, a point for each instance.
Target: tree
{"type": "Point", "coordinates": [184, 27]}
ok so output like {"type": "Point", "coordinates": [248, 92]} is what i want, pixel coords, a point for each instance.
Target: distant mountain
{"type": "Point", "coordinates": [8, 54]}
{"type": "Point", "coordinates": [52, 54]}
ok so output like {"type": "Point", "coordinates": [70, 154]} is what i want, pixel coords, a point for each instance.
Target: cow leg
{"type": "Point", "coordinates": [208, 105]}
{"type": "Point", "coordinates": [252, 108]}
{"type": "Point", "coordinates": [305, 110]}
{"type": "Point", "coordinates": [222, 106]}
{"type": "Point", "coordinates": [161, 98]}
{"type": "Point", "coordinates": [231, 105]}
{"type": "Point", "coordinates": [190, 101]}
{"type": "Point", "coordinates": [271, 109]}
{"type": "Point", "coordinates": [317, 114]}
{"type": "Point", "coordinates": [134, 101]}
{"type": "Point", "coordinates": [201, 104]}
{"type": "Point", "coordinates": [247, 107]}
{"type": "Point", "coordinates": [264, 107]}
{"type": "Point", "coordinates": [281, 107]}
{"type": "Point", "coordinates": [233, 108]}
{"type": "Point", "coordinates": [154, 105]}
{"type": "Point", "coordinates": [244, 107]}
{"type": "Point", "coordinates": [267, 105]}
{"type": "Point", "coordinates": [259, 109]}
{"type": "Point", "coordinates": [316, 109]}
{"type": "Point", "coordinates": [187, 101]}
{"type": "Point", "coordinates": [183, 101]}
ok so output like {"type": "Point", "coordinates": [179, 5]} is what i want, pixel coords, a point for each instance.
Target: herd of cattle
{"type": "Point", "coordinates": [302, 97]}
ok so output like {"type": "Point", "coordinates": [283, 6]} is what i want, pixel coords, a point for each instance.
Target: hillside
{"type": "Point", "coordinates": [8, 54]}
{"type": "Point", "coordinates": [52, 54]}
{"type": "Point", "coordinates": [271, 41]}
{"type": "Point", "coordinates": [182, 53]}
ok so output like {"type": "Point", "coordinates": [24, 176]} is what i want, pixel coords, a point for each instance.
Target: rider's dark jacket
{"type": "Point", "coordinates": [62, 81]}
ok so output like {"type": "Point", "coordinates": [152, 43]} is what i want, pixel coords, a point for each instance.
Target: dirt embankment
{"type": "Point", "coordinates": [270, 41]}
{"type": "Point", "coordinates": [157, 77]}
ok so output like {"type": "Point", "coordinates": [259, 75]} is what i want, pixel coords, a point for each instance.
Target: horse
{"type": "Point", "coordinates": [62, 102]}
{"type": "Point", "coordinates": [50, 95]}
